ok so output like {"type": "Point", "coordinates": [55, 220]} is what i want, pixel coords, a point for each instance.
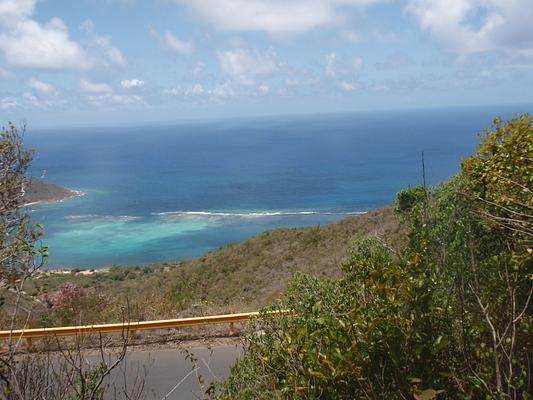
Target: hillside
{"type": "Point", "coordinates": [257, 270]}
{"type": "Point", "coordinates": [238, 277]}
{"type": "Point", "coordinates": [38, 191]}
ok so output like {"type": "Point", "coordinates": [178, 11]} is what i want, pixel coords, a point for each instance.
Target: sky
{"type": "Point", "coordinates": [84, 62]}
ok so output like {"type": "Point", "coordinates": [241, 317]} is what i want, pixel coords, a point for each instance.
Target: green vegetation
{"type": "Point", "coordinates": [448, 316]}
{"type": "Point", "coordinates": [20, 250]}
{"type": "Point", "coordinates": [501, 177]}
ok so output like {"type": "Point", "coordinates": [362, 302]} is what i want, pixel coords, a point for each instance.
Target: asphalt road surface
{"type": "Point", "coordinates": [172, 374]}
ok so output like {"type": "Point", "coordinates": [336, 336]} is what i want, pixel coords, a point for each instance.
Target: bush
{"type": "Point", "coordinates": [449, 316]}
{"type": "Point", "coordinates": [407, 199]}
{"type": "Point", "coordinates": [72, 303]}
{"type": "Point", "coordinates": [501, 176]}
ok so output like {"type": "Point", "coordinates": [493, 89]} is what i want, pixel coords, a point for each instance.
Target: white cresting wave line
{"type": "Point", "coordinates": [207, 214]}
{"type": "Point", "coordinates": [255, 214]}
{"type": "Point", "coordinates": [90, 217]}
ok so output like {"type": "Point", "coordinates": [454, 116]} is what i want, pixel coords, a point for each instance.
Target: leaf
{"type": "Point", "coordinates": [428, 394]}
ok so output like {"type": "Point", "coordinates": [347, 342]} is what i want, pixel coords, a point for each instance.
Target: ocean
{"type": "Point", "coordinates": [164, 192]}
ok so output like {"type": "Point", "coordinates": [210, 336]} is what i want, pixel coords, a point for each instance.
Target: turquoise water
{"type": "Point", "coordinates": [166, 192]}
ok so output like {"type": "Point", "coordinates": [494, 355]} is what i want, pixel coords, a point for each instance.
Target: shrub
{"type": "Point", "coordinates": [449, 316]}
{"type": "Point", "coordinates": [501, 176]}
{"type": "Point", "coordinates": [72, 303]}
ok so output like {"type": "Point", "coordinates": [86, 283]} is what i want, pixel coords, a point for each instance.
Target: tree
{"type": "Point", "coordinates": [41, 375]}
{"type": "Point", "coordinates": [501, 176]}
{"type": "Point", "coordinates": [21, 253]}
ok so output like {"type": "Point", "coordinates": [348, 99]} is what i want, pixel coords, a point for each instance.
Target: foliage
{"type": "Point", "coordinates": [71, 302]}
{"type": "Point", "coordinates": [374, 333]}
{"type": "Point", "coordinates": [449, 316]}
{"type": "Point", "coordinates": [407, 199]}
{"type": "Point", "coordinates": [88, 384]}
{"type": "Point", "coordinates": [20, 252]}
{"type": "Point", "coordinates": [501, 176]}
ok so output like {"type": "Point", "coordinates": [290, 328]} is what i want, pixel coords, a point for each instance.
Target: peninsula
{"type": "Point", "coordinates": [38, 191]}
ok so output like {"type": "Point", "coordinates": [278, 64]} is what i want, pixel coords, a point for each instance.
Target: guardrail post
{"type": "Point", "coordinates": [29, 343]}
{"type": "Point", "coordinates": [231, 328]}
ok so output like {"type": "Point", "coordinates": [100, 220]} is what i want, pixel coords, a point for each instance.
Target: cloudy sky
{"type": "Point", "coordinates": [65, 62]}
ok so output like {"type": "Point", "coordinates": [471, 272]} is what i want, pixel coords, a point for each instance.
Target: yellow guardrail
{"type": "Point", "coordinates": [127, 326]}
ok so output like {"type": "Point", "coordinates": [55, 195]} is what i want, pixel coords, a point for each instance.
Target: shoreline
{"type": "Point", "coordinates": [71, 195]}
{"type": "Point", "coordinates": [89, 270]}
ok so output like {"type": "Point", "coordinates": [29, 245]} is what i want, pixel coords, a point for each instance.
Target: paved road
{"type": "Point", "coordinates": [171, 374]}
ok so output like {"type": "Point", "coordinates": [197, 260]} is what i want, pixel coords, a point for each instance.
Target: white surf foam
{"type": "Point", "coordinates": [96, 217]}
{"type": "Point", "coordinates": [253, 214]}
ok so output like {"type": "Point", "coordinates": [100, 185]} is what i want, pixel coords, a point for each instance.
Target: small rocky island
{"type": "Point", "coordinates": [38, 191]}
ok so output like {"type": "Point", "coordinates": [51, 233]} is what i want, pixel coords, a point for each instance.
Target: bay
{"type": "Point", "coordinates": [164, 192]}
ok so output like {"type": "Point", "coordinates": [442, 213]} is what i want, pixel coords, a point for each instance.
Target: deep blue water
{"type": "Point", "coordinates": [142, 184]}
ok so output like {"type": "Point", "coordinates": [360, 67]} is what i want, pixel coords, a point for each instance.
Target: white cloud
{"type": "Point", "coordinates": [175, 91]}
{"type": "Point", "coordinates": [339, 72]}
{"type": "Point", "coordinates": [331, 59]}
{"type": "Point", "coordinates": [291, 82]}
{"type": "Point", "coordinates": [105, 52]}
{"type": "Point", "coordinates": [41, 87]}
{"type": "Point", "coordinates": [485, 73]}
{"type": "Point", "coordinates": [351, 36]}
{"type": "Point", "coordinates": [272, 16]}
{"type": "Point", "coordinates": [43, 103]}
{"type": "Point", "coordinates": [27, 43]}
{"type": "Point", "coordinates": [502, 24]}
{"type": "Point", "coordinates": [110, 99]}
{"type": "Point", "coordinates": [198, 70]}
{"type": "Point", "coordinates": [245, 64]}
{"type": "Point", "coordinates": [335, 68]}
{"type": "Point", "coordinates": [91, 87]}
{"type": "Point", "coordinates": [194, 90]}
{"type": "Point", "coordinates": [197, 89]}
{"type": "Point", "coordinates": [357, 63]}
{"type": "Point", "coordinates": [231, 89]}
{"type": "Point", "coordinates": [8, 102]}
{"type": "Point", "coordinates": [263, 89]}
{"type": "Point", "coordinates": [179, 46]}
{"type": "Point", "coordinates": [12, 9]}
{"type": "Point", "coordinates": [131, 83]}
{"type": "Point", "coordinates": [347, 87]}
{"type": "Point", "coordinates": [218, 91]}
{"type": "Point", "coordinates": [224, 90]}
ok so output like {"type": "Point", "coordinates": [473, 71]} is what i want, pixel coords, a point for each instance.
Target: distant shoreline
{"type": "Point", "coordinates": [39, 192]}
{"type": "Point", "coordinates": [74, 193]}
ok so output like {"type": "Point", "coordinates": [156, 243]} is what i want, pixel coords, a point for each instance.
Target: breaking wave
{"type": "Point", "coordinates": [257, 214]}
{"type": "Point", "coordinates": [96, 217]}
